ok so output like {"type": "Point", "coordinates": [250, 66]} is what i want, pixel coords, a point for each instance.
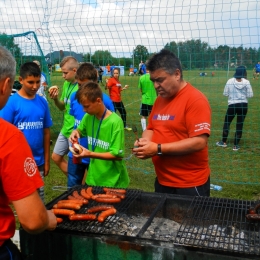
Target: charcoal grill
{"type": "Point", "coordinates": [152, 226]}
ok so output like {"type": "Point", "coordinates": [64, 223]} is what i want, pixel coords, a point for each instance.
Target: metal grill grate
{"type": "Point", "coordinates": [219, 224]}
{"type": "Point", "coordinates": [95, 226]}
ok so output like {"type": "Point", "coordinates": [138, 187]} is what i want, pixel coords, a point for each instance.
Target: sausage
{"type": "Point", "coordinates": [104, 214]}
{"type": "Point", "coordinates": [59, 220]}
{"type": "Point", "coordinates": [89, 191]}
{"type": "Point", "coordinates": [252, 210]}
{"type": "Point", "coordinates": [67, 205]}
{"type": "Point", "coordinates": [116, 190]}
{"type": "Point", "coordinates": [255, 217]}
{"type": "Point", "coordinates": [108, 200]}
{"type": "Point", "coordinates": [84, 194]}
{"type": "Point", "coordinates": [108, 196]}
{"type": "Point", "coordinates": [99, 208]}
{"type": "Point", "coordinates": [82, 217]}
{"type": "Point", "coordinates": [257, 206]}
{"type": "Point", "coordinates": [77, 195]}
{"type": "Point", "coordinates": [85, 201]}
{"type": "Point", "coordinates": [79, 202]}
{"type": "Point", "coordinates": [117, 194]}
{"type": "Point", "coordinates": [65, 212]}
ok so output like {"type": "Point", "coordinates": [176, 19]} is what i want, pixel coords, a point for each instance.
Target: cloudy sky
{"type": "Point", "coordinates": [119, 26]}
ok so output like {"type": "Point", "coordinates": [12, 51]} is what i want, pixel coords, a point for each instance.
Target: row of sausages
{"type": "Point", "coordinates": [77, 200]}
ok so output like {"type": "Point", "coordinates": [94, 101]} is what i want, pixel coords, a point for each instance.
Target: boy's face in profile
{"type": "Point", "coordinates": [30, 85]}
{"type": "Point", "coordinates": [89, 107]}
{"type": "Point", "coordinates": [68, 74]}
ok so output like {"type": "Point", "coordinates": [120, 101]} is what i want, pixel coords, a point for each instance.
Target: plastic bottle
{"type": "Point", "coordinates": [215, 187]}
{"type": "Point", "coordinates": [76, 160]}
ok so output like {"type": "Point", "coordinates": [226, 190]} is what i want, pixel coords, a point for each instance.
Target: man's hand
{"type": "Point", "coordinates": [144, 149]}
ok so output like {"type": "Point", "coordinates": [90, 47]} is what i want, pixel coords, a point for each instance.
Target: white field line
{"type": "Point", "coordinates": [133, 102]}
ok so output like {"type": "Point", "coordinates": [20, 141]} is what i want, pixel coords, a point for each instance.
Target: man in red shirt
{"type": "Point", "coordinates": [177, 134]}
{"type": "Point", "coordinates": [19, 175]}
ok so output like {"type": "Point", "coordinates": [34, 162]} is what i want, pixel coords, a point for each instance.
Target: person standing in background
{"type": "Point", "coordinates": [237, 89]}
{"type": "Point", "coordinates": [177, 134]}
{"type": "Point", "coordinates": [69, 66]}
{"type": "Point", "coordinates": [108, 69]}
{"type": "Point", "coordinates": [19, 175]}
{"type": "Point", "coordinates": [44, 83]}
{"type": "Point", "coordinates": [148, 97]}
{"type": "Point", "coordinates": [30, 113]}
{"type": "Point", "coordinates": [115, 88]}
{"type": "Point", "coordinates": [256, 70]}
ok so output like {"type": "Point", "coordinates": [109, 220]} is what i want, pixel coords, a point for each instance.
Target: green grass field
{"type": "Point", "coordinates": [237, 172]}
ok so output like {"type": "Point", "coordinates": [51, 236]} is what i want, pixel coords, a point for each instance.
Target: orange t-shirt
{"type": "Point", "coordinates": [187, 115]}
{"type": "Point", "coordinates": [115, 88]}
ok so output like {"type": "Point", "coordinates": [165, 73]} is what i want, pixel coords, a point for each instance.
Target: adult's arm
{"type": "Point", "coordinates": [46, 143]}
{"type": "Point", "coordinates": [147, 149]}
{"type": "Point", "coordinates": [33, 215]}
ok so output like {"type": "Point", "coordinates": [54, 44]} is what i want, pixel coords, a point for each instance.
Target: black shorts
{"type": "Point", "coordinates": [203, 190]}
{"type": "Point", "coordinates": [145, 110]}
{"type": "Point", "coordinates": [9, 251]}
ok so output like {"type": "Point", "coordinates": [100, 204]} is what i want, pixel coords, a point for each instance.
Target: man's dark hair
{"type": "Point", "coordinates": [29, 69]}
{"type": "Point", "coordinates": [89, 90]}
{"type": "Point", "coordinates": [165, 60]}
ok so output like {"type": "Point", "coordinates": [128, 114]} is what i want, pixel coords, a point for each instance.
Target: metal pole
{"type": "Point", "coordinates": [228, 61]}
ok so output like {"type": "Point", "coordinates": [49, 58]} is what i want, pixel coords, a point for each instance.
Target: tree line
{"type": "Point", "coordinates": [193, 54]}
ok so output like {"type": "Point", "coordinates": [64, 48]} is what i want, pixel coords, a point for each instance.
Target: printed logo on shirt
{"type": "Point", "coordinates": [30, 166]}
{"type": "Point", "coordinates": [98, 143]}
{"type": "Point", "coordinates": [163, 117]}
{"type": "Point", "coordinates": [30, 125]}
{"type": "Point", "coordinates": [77, 122]}
{"type": "Point", "coordinates": [202, 126]}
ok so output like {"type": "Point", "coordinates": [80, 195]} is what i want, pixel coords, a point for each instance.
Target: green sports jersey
{"type": "Point", "coordinates": [147, 88]}
{"type": "Point", "coordinates": [68, 123]}
{"type": "Point", "coordinates": [110, 138]}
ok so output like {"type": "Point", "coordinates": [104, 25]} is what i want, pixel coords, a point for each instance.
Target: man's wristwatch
{"type": "Point", "coordinates": [159, 150]}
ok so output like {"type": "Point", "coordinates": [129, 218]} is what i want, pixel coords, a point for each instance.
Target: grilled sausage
{"type": "Point", "coordinates": [65, 212]}
{"type": "Point", "coordinates": [82, 217]}
{"type": "Point", "coordinates": [79, 202]}
{"type": "Point", "coordinates": [89, 191]}
{"type": "Point", "coordinates": [116, 190]}
{"type": "Point", "coordinates": [67, 205]}
{"type": "Point", "coordinates": [59, 220]}
{"type": "Point", "coordinates": [84, 194]}
{"type": "Point", "coordinates": [85, 201]}
{"type": "Point", "coordinates": [108, 200]}
{"type": "Point", "coordinates": [117, 194]}
{"type": "Point", "coordinates": [77, 195]}
{"type": "Point", "coordinates": [104, 214]}
{"type": "Point", "coordinates": [108, 196]}
{"type": "Point", "coordinates": [99, 208]}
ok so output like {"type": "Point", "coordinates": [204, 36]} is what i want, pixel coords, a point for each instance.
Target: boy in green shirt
{"type": "Point", "coordinates": [69, 66]}
{"type": "Point", "coordinates": [105, 132]}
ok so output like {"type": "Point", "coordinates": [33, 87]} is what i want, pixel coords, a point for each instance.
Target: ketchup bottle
{"type": "Point", "coordinates": [75, 160]}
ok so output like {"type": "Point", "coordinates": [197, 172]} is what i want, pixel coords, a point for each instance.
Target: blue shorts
{"type": "Point", "coordinates": [76, 172]}
{"type": "Point", "coordinates": [10, 251]}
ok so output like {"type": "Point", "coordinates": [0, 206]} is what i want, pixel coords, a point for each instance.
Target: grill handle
{"type": "Point", "coordinates": [150, 219]}
{"type": "Point", "coordinates": [60, 188]}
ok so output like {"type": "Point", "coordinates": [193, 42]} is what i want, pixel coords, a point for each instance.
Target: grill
{"type": "Point", "coordinates": [152, 226]}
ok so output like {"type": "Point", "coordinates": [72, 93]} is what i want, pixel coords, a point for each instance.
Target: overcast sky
{"type": "Point", "coordinates": [119, 26]}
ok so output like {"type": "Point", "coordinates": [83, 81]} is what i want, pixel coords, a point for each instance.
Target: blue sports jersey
{"type": "Point", "coordinates": [30, 116]}
{"type": "Point", "coordinates": [257, 67]}
{"type": "Point", "coordinates": [77, 111]}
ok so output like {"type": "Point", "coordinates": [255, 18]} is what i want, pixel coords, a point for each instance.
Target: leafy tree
{"type": "Point", "coordinates": [140, 53]}
{"type": "Point", "coordinates": [102, 57]}
{"type": "Point", "coordinates": [8, 42]}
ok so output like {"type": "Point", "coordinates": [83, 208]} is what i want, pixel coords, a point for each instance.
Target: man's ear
{"type": "Point", "coordinates": [4, 85]}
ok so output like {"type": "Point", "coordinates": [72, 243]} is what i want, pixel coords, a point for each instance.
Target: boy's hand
{"type": "Point", "coordinates": [75, 135]}
{"type": "Point", "coordinates": [54, 92]}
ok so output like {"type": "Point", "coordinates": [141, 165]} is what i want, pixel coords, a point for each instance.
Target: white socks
{"type": "Point", "coordinates": [143, 123]}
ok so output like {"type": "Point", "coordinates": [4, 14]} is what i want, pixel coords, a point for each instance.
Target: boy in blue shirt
{"type": "Point", "coordinates": [30, 114]}
{"type": "Point", "coordinates": [85, 73]}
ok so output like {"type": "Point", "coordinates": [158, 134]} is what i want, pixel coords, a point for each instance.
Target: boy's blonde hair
{"type": "Point", "coordinates": [71, 62]}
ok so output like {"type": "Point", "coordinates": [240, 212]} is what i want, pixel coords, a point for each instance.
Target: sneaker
{"type": "Point", "coordinates": [128, 128]}
{"type": "Point", "coordinates": [221, 143]}
{"type": "Point", "coordinates": [236, 148]}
